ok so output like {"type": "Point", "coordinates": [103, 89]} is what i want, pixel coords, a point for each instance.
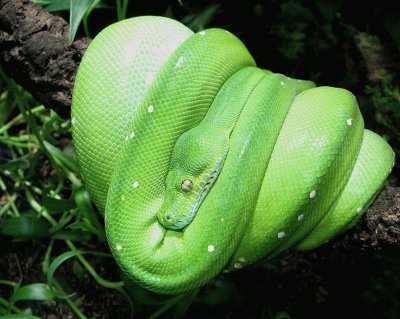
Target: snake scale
{"type": "Point", "coordinates": [202, 162]}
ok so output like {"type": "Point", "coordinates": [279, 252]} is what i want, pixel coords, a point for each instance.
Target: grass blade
{"type": "Point", "coordinates": [58, 205]}
{"type": "Point", "coordinates": [77, 11]}
{"type": "Point", "coordinates": [25, 227]}
{"type": "Point", "coordinates": [20, 316]}
{"type": "Point", "coordinates": [84, 204]}
{"type": "Point", "coordinates": [63, 160]}
{"type": "Point", "coordinates": [38, 291]}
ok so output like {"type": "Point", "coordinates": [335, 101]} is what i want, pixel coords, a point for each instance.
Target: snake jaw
{"type": "Point", "coordinates": [177, 211]}
{"type": "Point", "coordinates": [169, 221]}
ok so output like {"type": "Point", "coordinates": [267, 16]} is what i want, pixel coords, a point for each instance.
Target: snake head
{"type": "Point", "coordinates": [196, 162]}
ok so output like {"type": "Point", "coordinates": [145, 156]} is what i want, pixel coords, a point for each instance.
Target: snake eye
{"type": "Point", "coordinates": [187, 185]}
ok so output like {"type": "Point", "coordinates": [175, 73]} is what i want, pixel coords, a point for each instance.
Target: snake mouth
{"type": "Point", "coordinates": [173, 217]}
{"type": "Point", "coordinates": [170, 221]}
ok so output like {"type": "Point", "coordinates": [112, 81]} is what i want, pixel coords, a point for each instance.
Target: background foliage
{"type": "Point", "coordinates": [55, 261]}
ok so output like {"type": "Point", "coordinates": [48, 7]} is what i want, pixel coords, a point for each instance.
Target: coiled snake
{"type": "Point", "coordinates": [203, 162]}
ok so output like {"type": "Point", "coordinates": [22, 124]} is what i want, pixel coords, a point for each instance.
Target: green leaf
{"type": "Point", "coordinates": [58, 5]}
{"type": "Point", "coordinates": [64, 160]}
{"type": "Point", "coordinates": [85, 20]}
{"type": "Point", "coordinates": [54, 5]}
{"type": "Point", "coordinates": [78, 10]}
{"type": "Point", "coordinates": [282, 315]}
{"type": "Point", "coordinates": [35, 165]}
{"type": "Point", "coordinates": [84, 204]}
{"type": "Point", "coordinates": [58, 261]}
{"type": "Point", "coordinates": [78, 271]}
{"type": "Point", "coordinates": [26, 227]}
{"type": "Point", "coordinates": [49, 127]}
{"type": "Point", "coordinates": [62, 223]}
{"type": "Point", "coordinates": [86, 227]}
{"type": "Point", "coordinates": [6, 106]}
{"type": "Point", "coordinates": [42, 2]}
{"type": "Point", "coordinates": [58, 205]}
{"type": "Point", "coordinates": [20, 316]}
{"type": "Point", "coordinates": [37, 291]}
{"type": "Point", "coordinates": [21, 162]}
{"type": "Point", "coordinates": [74, 235]}
{"type": "Point", "coordinates": [64, 257]}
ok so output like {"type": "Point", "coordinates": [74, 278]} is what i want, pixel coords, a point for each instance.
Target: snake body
{"type": "Point", "coordinates": [202, 162]}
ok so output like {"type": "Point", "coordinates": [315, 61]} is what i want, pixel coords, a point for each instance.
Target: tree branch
{"type": "Point", "coordinates": [34, 50]}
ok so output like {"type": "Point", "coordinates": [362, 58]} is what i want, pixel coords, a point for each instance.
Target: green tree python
{"type": "Point", "coordinates": [202, 162]}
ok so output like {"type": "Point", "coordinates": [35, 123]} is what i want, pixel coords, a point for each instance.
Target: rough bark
{"type": "Point", "coordinates": [34, 50]}
{"type": "Point", "coordinates": [380, 227]}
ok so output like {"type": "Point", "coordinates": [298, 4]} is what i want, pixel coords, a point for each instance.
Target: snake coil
{"type": "Point", "coordinates": [202, 162]}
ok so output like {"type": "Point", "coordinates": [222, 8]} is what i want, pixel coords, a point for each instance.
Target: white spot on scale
{"type": "Point", "coordinates": [313, 193]}
{"type": "Point", "coordinates": [180, 61]}
{"type": "Point", "coordinates": [73, 122]}
{"type": "Point", "coordinates": [157, 279]}
{"type": "Point", "coordinates": [227, 31]}
{"type": "Point", "coordinates": [210, 248]}
{"type": "Point", "coordinates": [150, 109]}
{"type": "Point", "coordinates": [238, 265]}
{"type": "Point", "coordinates": [131, 135]}
{"type": "Point", "coordinates": [118, 247]}
{"type": "Point", "coordinates": [136, 184]}
{"type": "Point", "coordinates": [122, 198]}
{"type": "Point", "coordinates": [300, 217]}
{"type": "Point", "coordinates": [282, 83]}
{"type": "Point", "coordinates": [349, 122]}
{"type": "Point", "coordinates": [242, 259]}
{"type": "Point", "coordinates": [222, 220]}
{"type": "Point", "coordinates": [202, 32]}
{"type": "Point", "coordinates": [359, 210]}
{"type": "Point", "coordinates": [281, 234]}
